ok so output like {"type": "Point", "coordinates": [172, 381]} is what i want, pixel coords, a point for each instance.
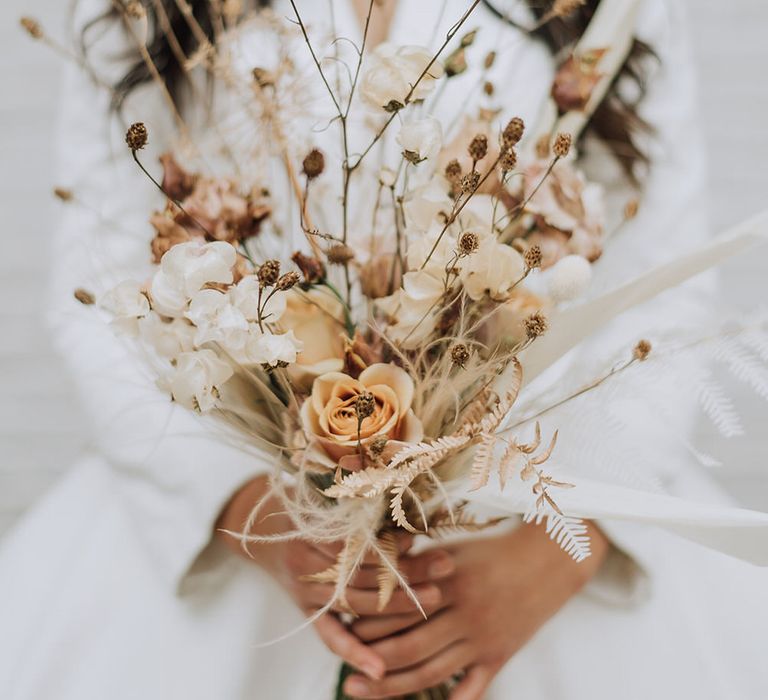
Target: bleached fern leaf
{"type": "Point", "coordinates": [386, 576]}
{"type": "Point", "coordinates": [444, 525]}
{"type": "Point", "coordinates": [718, 407]}
{"type": "Point", "coordinates": [500, 411]}
{"type": "Point", "coordinates": [329, 575]}
{"type": "Point", "coordinates": [746, 367]}
{"type": "Point", "coordinates": [756, 339]}
{"type": "Point", "coordinates": [367, 483]}
{"type": "Point", "coordinates": [433, 449]}
{"type": "Point", "coordinates": [407, 475]}
{"type": "Point", "coordinates": [509, 463]}
{"type": "Point", "coordinates": [570, 533]}
{"type": "Point", "coordinates": [483, 462]}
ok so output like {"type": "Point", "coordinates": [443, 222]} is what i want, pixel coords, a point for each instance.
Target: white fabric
{"type": "Point", "coordinates": [108, 588]}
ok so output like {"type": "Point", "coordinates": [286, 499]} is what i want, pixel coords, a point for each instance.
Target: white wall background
{"type": "Point", "coordinates": [41, 426]}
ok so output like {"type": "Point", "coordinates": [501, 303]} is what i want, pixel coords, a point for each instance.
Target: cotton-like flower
{"type": "Point", "coordinates": [421, 139]}
{"type": "Point", "coordinates": [127, 303]}
{"type": "Point", "coordinates": [569, 278]}
{"type": "Point", "coordinates": [493, 269]}
{"type": "Point", "coordinates": [197, 378]}
{"type": "Point", "coordinates": [185, 269]}
{"type": "Point", "coordinates": [273, 349]}
{"type": "Point", "coordinates": [168, 338]}
{"type": "Point", "coordinates": [392, 73]}
{"type": "Point", "coordinates": [217, 320]}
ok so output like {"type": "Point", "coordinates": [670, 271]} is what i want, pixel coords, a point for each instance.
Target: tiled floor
{"type": "Point", "coordinates": [40, 424]}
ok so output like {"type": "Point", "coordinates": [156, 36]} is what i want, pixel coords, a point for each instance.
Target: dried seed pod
{"type": "Point", "coordinates": [63, 194]}
{"type": "Point", "coordinates": [365, 405]}
{"type": "Point", "coordinates": [470, 182]}
{"type": "Point", "coordinates": [508, 160]}
{"type": "Point", "coordinates": [269, 273]}
{"type": "Point", "coordinates": [314, 164]}
{"type": "Point", "coordinates": [460, 355]}
{"type": "Point", "coordinates": [532, 257]}
{"type": "Point", "coordinates": [84, 296]}
{"type": "Point", "coordinates": [453, 171]}
{"type": "Point", "coordinates": [32, 27]}
{"type": "Point", "coordinates": [562, 145]}
{"type": "Point", "coordinates": [469, 242]}
{"type": "Point", "coordinates": [642, 350]}
{"type": "Point", "coordinates": [490, 59]}
{"type": "Point", "coordinates": [478, 147]}
{"type": "Point", "coordinates": [535, 325]}
{"type": "Point", "coordinates": [340, 254]}
{"type": "Point", "coordinates": [512, 133]}
{"type": "Point", "coordinates": [287, 281]}
{"type": "Point", "coordinates": [312, 269]}
{"type": "Point", "coordinates": [137, 136]}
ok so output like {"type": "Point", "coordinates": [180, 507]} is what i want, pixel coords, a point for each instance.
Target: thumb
{"type": "Point", "coordinates": [474, 684]}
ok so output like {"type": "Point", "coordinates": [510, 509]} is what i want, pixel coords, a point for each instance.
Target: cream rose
{"type": "Point", "coordinates": [329, 415]}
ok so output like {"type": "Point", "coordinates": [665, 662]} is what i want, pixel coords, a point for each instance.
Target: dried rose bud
{"type": "Point", "coordinates": [469, 242]}
{"type": "Point", "coordinates": [562, 145]}
{"type": "Point", "coordinates": [460, 355]}
{"type": "Point", "coordinates": [137, 136]}
{"type": "Point", "coordinates": [365, 405]}
{"type": "Point", "coordinates": [84, 296]}
{"type": "Point", "coordinates": [490, 59]}
{"type": "Point", "coordinates": [532, 257]}
{"type": "Point", "coordinates": [63, 194]}
{"type": "Point", "coordinates": [535, 325]}
{"type": "Point", "coordinates": [508, 161]}
{"type": "Point", "coordinates": [630, 209]}
{"type": "Point", "coordinates": [470, 182]}
{"type": "Point", "coordinates": [453, 171]}
{"type": "Point", "coordinates": [269, 273]}
{"type": "Point", "coordinates": [488, 88]}
{"type": "Point", "coordinates": [512, 133]}
{"type": "Point", "coordinates": [32, 27]}
{"type": "Point", "coordinates": [312, 269]}
{"type": "Point", "coordinates": [478, 147]}
{"type": "Point", "coordinates": [314, 164]}
{"type": "Point", "coordinates": [642, 350]}
{"type": "Point", "coordinates": [287, 281]}
{"type": "Point", "coordinates": [339, 254]}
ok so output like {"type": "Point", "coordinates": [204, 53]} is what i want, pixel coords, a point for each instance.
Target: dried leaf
{"type": "Point", "coordinates": [482, 463]}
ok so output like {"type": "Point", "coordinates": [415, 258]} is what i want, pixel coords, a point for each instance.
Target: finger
{"type": "Point", "coordinates": [349, 648]}
{"type": "Point", "coordinates": [370, 629]}
{"type": "Point", "coordinates": [304, 560]}
{"type": "Point", "coordinates": [419, 644]}
{"type": "Point", "coordinates": [422, 568]}
{"type": "Point", "coordinates": [332, 549]}
{"type": "Point", "coordinates": [474, 684]}
{"type": "Point", "coordinates": [366, 602]}
{"type": "Point", "coordinates": [428, 675]}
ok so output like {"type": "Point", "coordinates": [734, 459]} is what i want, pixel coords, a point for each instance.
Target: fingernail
{"type": "Point", "coordinates": [441, 567]}
{"type": "Point", "coordinates": [355, 686]}
{"type": "Point", "coordinates": [372, 671]}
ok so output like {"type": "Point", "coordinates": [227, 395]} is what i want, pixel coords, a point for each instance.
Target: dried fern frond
{"type": "Point", "coordinates": [443, 524]}
{"type": "Point", "coordinates": [482, 464]}
{"type": "Point", "coordinates": [386, 576]}
{"type": "Point", "coordinates": [570, 533]}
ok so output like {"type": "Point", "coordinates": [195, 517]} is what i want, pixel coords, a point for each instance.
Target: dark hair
{"type": "Point", "coordinates": [615, 121]}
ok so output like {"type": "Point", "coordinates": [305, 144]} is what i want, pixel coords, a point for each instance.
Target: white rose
{"type": "Point", "coordinates": [493, 269]}
{"type": "Point", "coordinates": [421, 139]}
{"type": "Point", "coordinates": [185, 269]}
{"type": "Point", "coordinates": [217, 320]}
{"type": "Point", "coordinates": [393, 72]}
{"type": "Point", "coordinates": [273, 348]}
{"type": "Point", "coordinates": [168, 339]}
{"type": "Point", "coordinates": [196, 379]}
{"type": "Point", "coordinates": [127, 303]}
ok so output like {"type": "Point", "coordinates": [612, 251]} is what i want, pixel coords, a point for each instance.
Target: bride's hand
{"type": "Point", "coordinates": [290, 562]}
{"type": "Point", "coordinates": [503, 590]}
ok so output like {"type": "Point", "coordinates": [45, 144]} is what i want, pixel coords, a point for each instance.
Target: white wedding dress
{"type": "Point", "coordinates": [111, 587]}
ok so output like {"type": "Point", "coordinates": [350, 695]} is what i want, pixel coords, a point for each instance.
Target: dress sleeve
{"type": "Point", "coordinates": [173, 471]}
{"type": "Point", "coordinates": [672, 218]}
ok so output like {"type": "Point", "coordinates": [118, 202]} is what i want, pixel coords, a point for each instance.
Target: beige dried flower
{"type": "Point", "coordinates": [478, 147]}
{"type": "Point", "coordinates": [453, 171]}
{"type": "Point", "coordinates": [340, 254]}
{"type": "Point", "coordinates": [287, 281]}
{"type": "Point", "coordinates": [535, 325]}
{"type": "Point", "coordinates": [84, 296]}
{"type": "Point", "coordinates": [365, 405]}
{"type": "Point", "coordinates": [533, 257]}
{"type": "Point", "coordinates": [460, 355]}
{"type": "Point", "coordinates": [313, 164]}
{"type": "Point", "coordinates": [562, 145]}
{"type": "Point", "coordinates": [490, 59]}
{"type": "Point", "coordinates": [32, 27]}
{"type": "Point", "coordinates": [63, 194]}
{"type": "Point", "coordinates": [269, 273]}
{"type": "Point", "coordinates": [508, 161]}
{"type": "Point", "coordinates": [469, 242]}
{"type": "Point", "coordinates": [512, 133]}
{"type": "Point", "coordinates": [642, 350]}
{"type": "Point", "coordinates": [563, 8]}
{"type": "Point", "coordinates": [137, 136]}
{"type": "Point", "coordinates": [470, 182]}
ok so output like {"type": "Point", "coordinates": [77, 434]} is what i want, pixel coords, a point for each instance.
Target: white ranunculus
{"type": "Point", "coordinates": [493, 269]}
{"type": "Point", "coordinates": [217, 320]}
{"type": "Point", "coordinates": [424, 205]}
{"type": "Point", "coordinates": [273, 348]}
{"type": "Point", "coordinates": [245, 297]}
{"type": "Point", "coordinates": [168, 338]}
{"type": "Point", "coordinates": [420, 248]}
{"type": "Point", "coordinates": [187, 268]}
{"type": "Point", "coordinates": [127, 303]}
{"type": "Point", "coordinates": [421, 139]}
{"type": "Point", "coordinates": [196, 379]}
{"type": "Point", "coordinates": [393, 71]}
{"type": "Point", "coordinates": [569, 278]}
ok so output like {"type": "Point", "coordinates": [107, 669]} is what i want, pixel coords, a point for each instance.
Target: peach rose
{"type": "Point", "coordinates": [329, 414]}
